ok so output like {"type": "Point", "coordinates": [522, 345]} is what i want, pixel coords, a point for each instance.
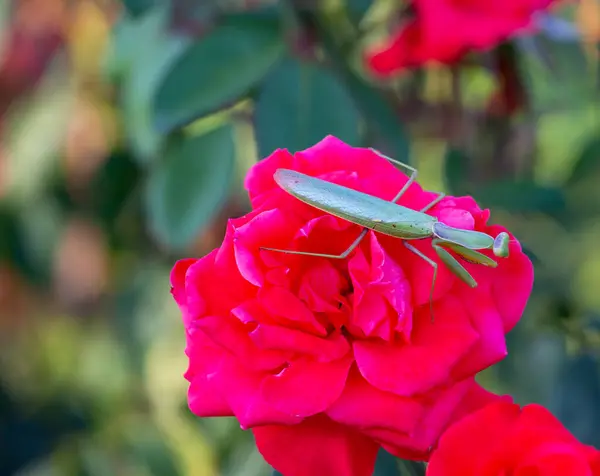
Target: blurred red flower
{"type": "Point", "coordinates": [444, 30]}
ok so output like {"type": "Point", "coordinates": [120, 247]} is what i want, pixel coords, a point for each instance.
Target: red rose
{"type": "Point", "coordinates": [444, 30]}
{"type": "Point", "coordinates": [503, 439]}
{"type": "Point", "coordinates": [328, 359]}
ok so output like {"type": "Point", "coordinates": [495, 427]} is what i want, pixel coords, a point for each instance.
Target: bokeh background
{"type": "Point", "coordinates": [126, 129]}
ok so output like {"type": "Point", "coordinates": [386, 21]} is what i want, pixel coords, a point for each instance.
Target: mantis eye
{"type": "Point", "coordinates": [500, 246]}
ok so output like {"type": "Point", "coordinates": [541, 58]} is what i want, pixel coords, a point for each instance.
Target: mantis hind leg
{"type": "Point", "coordinates": [434, 265]}
{"type": "Point", "coordinates": [413, 174]}
{"type": "Point", "coordinates": [343, 255]}
{"type": "Point", "coordinates": [433, 203]}
{"type": "Point", "coordinates": [413, 177]}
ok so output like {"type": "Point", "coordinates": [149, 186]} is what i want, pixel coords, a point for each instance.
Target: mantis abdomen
{"type": "Point", "coordinates": [365, 210]}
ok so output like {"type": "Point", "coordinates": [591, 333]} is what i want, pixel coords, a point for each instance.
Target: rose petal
{"type": "Point", "coordinates": [382, 294]}
{"type": "Point", "coordinates": [306, 387]}
{"type": "Point", "coordinates": [594, 459]}
{"type": "Point", "coordinates": [204, 394]}
{"type": "Point", "coordinates": [418, 271]}
{"type": "Point", "coordinates": [251, 312]}
{"type": "Point", "coordinates": [178, 288]}
{"type": "Point", "coordinates": [242, 389]}
{"type": "Point", "coordinates": [536, 420]}
{"type": "Point", "coordinates": [440, 407]}
{"type": "Point", "coordinates": [363, 406]}
{"type": "Point", "coordinates": [371, 316]}
{"type": "Point", "coordinates": [443, 31]}
{"type": "Point", "coordinates": [259, 180]}
{"type": "Point", "coordinates": [469, 440]}
{"type": "Point", "coordinates": [267, 229]}
{"type": "Point", "coordinates": [226, 261]}
{"type": "Point", "coordinates": [279, 276]}
{"type": "Point", "coordinates": [321, 287]}
{"type": "Point", "coordinates": [512, 286]}
{"type": "Point", "coordinates": [463, 204]}
{"type": "Point", "coordinates": [231, 335]}
{"type": "Point", "coordinates": [289, 310]}
{"type": "Point", "coordinates": [475, 399]}
{"type": "Point", "coordinates": [205, 292]}
{"type": "Point", "coordinates": [205, 398]}
{"type": "Point", "coordinates": [490, 348]}
{"type": "Point", "coordinates": [430, 357]}
{"type": "Point", "coordinates": [387, 58]}
{"type": "Point", "coordinates": [509, 284]}
{"type": "Point", "coordinates": [333, 347]}
{"type": "Point", "coordinates": [376, 175]}
{"type": "Point", "coordinates": [456, 218]}
{"type": "Point", "coordinates": [198, 290]}
{"type": "Point", "coordinates": [316, 447]}
{"type": "Point", "coordinates": [316, 235]}
{"type": "Point", "coordinates": [554, 459]}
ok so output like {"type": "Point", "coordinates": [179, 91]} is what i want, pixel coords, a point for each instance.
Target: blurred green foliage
{"type": "Point", "coordinates": [129, 151]}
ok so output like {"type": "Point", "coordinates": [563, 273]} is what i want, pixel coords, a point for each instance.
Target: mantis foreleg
{"type": "Point", "coordinates": [469, 255]}
{"type": "Point", "coordinates": [343, 255]}
{"type": "Point", "coordinates": [453, 265]}
{"type": "Point", "coordinates": [435, 269]}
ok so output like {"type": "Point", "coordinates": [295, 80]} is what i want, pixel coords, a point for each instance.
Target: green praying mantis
{"type": "Point", "coordinates": [390, 218]}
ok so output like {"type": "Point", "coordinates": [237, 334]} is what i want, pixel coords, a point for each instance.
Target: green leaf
{"type": "Point", "coordinates": [382, 121]}
{"type": "Point", "coordinates": [557, 73]}
{"type": "Point", "coordinates": [535, 259]}
{"type": "Point", "coordinates": [217, 70]}
{"type": "Point", "coordinates": [298, 105]}
{"type": "Point", "coordinates": [151, 57]}
{"type": "Point", "coordinates": [130, 38]}
{"type": "Point", "coordinates": [588, 162]}
{"type": "Point", "coordinates": [357, 9]}
{"type": "Point", "coordinates": [111, 187]}
{"type": "Point", "coordinates": [581, 187]}
{"type": "Point", "coordinates": [412, 468]}
{"type": "Point", "coordinates": [381, 118]}
{"type": "Point", "coordinates": [456, 168]}
{"type": "Point", "coordinates": [386, 464]}
{"type": "Point", "coordinates": [522, 197]}
{"type": "Point", "coordinates": [40, 231]}
{"type": "Point", "coordinates": [514, 196]}
{"type": "Point", "coordinates": [186, 190]}
{"type": "Point", "coordinates": [5, 17]}
{"type": "Point", "coordinates": [13, 250]}
{"type": "Point", "coordinates": [532, 371]}
{"type": "Point", "coordinates": [150, 450]}
{"type": "Point", "coordinates": [577, 395]}
{"type": "Point", "coordinates": [138, 7]}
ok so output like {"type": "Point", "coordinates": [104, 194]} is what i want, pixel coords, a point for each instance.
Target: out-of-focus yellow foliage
{"type": "Point", "coordinates": [588, 19]}
{"type": "Point", "coordinates": [87, 35]}
{"type": "Point", "coordinates": [92, 131]}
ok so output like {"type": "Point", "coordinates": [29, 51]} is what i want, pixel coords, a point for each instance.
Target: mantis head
{"type": "Point", "coordinates": [473, 240]}
{"type": "Point", "coordinates": [500, 246]}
